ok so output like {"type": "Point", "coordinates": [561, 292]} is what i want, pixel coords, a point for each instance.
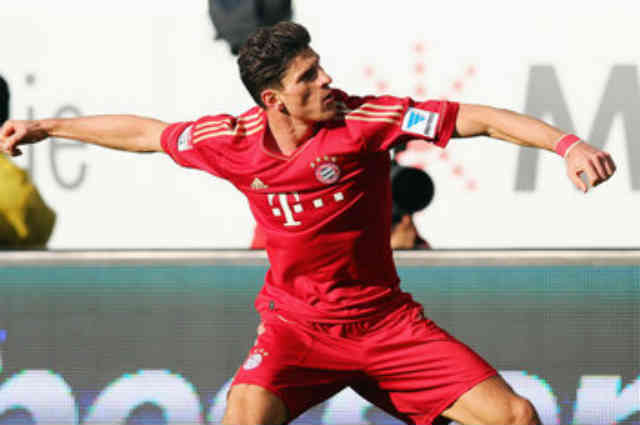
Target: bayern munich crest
{"type": "Point", "coordinates": [326, 169]}
{"type": "Point", "coordinates": [254, 359]}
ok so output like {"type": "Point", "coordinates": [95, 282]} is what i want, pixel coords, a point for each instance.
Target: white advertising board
{"type": "Point", "coordinates": [576, 67]}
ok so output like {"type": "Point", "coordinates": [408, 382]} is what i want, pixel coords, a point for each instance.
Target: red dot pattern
{"type": "Point", "coordinates": [457, 87]}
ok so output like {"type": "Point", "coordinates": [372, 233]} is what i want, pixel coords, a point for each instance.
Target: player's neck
{"type": "Point", "coordinates": [287, 132]}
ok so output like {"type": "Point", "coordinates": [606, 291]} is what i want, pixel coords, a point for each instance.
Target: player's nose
{"type": "Point", "coordinates": [325, 79]}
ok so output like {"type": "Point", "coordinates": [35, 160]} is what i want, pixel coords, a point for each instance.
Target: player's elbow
{"type": "Point", "coordinates": [473, 120]}
{"type": "Point", "coordinates": [150, 146]}
{"type": "Point", "coordinates": [149, 140]}
{"type": "Point", "coordinates": [145, 134]}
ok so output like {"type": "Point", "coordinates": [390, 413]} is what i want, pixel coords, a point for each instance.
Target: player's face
{"type": "Point", "coordinates": [305, 92]}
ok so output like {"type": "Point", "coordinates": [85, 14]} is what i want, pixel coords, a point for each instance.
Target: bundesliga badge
{"type": "Point", "coordinates": [326, 169]}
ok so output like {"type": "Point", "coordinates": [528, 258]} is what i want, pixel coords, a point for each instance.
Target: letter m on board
{"type": "Point", "coordinates": [545, 99]}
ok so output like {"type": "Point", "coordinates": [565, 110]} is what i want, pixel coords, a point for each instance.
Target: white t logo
{"type": "Point", "coordinates": [285, 208]}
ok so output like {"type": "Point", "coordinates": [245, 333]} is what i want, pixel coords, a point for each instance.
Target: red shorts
{"type": "Point", "coordinates": [404, 363]}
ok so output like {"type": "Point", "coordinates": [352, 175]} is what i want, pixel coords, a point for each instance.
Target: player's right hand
{"type": "Point", "coordinates": [14, 133]}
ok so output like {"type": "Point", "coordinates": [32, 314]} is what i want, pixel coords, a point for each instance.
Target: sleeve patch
{"type": "Point", "coordinates": [184, 140]}
{"type": "Point", "coordinates": [421, 122]}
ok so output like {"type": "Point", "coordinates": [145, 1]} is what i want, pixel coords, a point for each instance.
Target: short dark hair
{"type": "Point", "coordinates": [265, 56]}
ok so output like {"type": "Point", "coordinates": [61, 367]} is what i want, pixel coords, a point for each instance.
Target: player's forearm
{"type": "Point", "coordinates": [478, 120]}
{"type": "Point", "coordinates": [122, 132]}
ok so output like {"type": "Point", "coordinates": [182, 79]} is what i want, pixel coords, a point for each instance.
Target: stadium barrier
{"type": "Point", "coordinates": [100, 337]}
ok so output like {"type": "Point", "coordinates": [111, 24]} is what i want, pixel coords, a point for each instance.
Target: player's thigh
{"type": "Point", "coordinates": [418, 369]}
{"type": "Point", "coordinates": [252, 404]}
{"type": "Point", "coordinates": [492, 402]}
{"type": "Point", "coordinates": [278, 365]}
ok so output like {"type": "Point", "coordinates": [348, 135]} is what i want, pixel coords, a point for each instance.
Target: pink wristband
{"type": "Point", "coordinates": [564, 144]}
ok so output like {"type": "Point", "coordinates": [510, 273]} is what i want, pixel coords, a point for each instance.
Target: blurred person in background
{"type": "Point", "coordinates": [405, 235]}
{"type": "Point", "coordinates": [5, 97]}
{"type": "Point", "coordinates": [26, 222]}
{"type": "Point", "coordinates": [314, 165]}
{"type": "Point", "coordinates": [235, 20]}
{"type": "Point", "coordinates": [412, 191]}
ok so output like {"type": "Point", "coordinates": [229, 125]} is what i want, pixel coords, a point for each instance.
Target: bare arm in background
{"type": "Point", "coordinates": [121, 132]}
{"type": "Point", "coordinates": [478, 120]}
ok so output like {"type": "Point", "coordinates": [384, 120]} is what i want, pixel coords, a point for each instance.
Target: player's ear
{"type": "Point", "coordinates": [270, 99]}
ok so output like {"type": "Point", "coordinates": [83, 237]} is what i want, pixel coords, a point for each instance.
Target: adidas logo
{"type": "Point", "coordinates": [257, 184]}
{"type": "Point", "coordinates": [415, 118]}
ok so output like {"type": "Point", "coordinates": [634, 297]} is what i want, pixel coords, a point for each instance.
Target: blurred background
{"type": "Point", "coordinates": [576, 68]}
{"type": "Point", "coordinates": [139, 312]}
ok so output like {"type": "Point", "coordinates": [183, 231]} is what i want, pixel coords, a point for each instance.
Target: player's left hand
{"type": "Point", "coordinates": [597, 165]}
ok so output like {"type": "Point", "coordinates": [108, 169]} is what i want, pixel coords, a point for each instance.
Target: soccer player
{"type": "Point", "coordinates": [314, 165]}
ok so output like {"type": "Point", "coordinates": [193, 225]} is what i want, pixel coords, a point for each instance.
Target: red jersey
{"type": "Point", "coordinates": [326, 209]}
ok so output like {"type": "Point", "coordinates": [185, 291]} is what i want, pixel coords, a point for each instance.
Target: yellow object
{"type": "Point", "coordinates": [25, 220]}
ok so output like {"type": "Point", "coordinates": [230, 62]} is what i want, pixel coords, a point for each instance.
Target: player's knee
{"type": "Point", "coordinates": [521, 412]}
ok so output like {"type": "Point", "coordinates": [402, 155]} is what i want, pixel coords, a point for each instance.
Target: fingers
{"type": "Point", "coordinates": [599, 170]}
{"type": "Point", "coordinates": [593, 176]}
{"type": "Point", "coordinates": [603, 166]}
{"type": "Point", "coordinates": [577, 181]}
{"type": "Point", "coordinates": [9, 144]}
{"type": "Point", "coordinates": [608, 163]}
{"type": "Point", "coordinates": [16, 133]}
{"type": "Point", "coordinates": [8, 138]}
{"type": "Point", "coordinates": [596, 165]}
{"type": "Point", "coordinates": [6, 130]}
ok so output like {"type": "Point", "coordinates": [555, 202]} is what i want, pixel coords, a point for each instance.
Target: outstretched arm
{"type": "Point", "coordinates": [478, 120]}
{"type": "Point", "coordinates": [122, 132]}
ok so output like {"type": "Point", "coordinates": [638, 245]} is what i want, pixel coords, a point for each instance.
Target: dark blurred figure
{"type": "Point", "coordinates": [25, 220]}
{"type": "Point", "coordinates": [4, 100]}
{"type": "Point", "coordinates": [412, 191]}
{"type": "Point", "coordinates": [234, 20]}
